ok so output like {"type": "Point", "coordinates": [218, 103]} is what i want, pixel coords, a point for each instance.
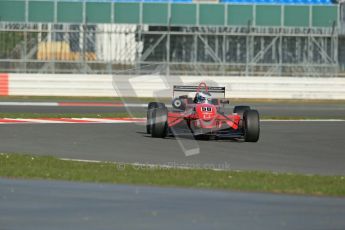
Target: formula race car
{"type": "Point", "coordinates": [202, 115]}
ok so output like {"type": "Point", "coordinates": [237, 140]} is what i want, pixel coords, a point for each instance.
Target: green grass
{"type": "Point", "coordinates": [44, 167]}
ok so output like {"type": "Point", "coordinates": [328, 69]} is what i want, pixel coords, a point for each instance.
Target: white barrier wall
{"type": "Point", "coordinates": [148, 86]}
{"type": "Point", "coordinates": [60, 85]}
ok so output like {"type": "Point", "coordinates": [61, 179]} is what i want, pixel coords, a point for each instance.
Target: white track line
{"type": "Point", "coordinates": [134, 105]}
{"type": "Point", "coordinates": [58, 104]}
{"type": "Point", "coordinates": [68, 121]}
{"type": "Point", "coordinates": [148, 166]}
{"type": "Point", "coordinates": [41, 121]}
{"type": "Point", "coordinates": [141, 105]}
{"type": "Point", "coordinates": [30, 103]}
{"type": "Point", "coordinates": [303, 120]}
{"type": "Point", "coordinates": [105, 120]}
{"type": "Point", "coordinates": [81, 160]}
{"type": "Point", "coordinates": [121, 120]}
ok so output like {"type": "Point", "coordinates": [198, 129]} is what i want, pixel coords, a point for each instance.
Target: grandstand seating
{"type": "Point", "coordinates": [286, 13]}
{"type": "Point", "coordinates": [291, 2]}
{"type": "Point", "coordinates": [174, 1]}
{"type": "Point", "coordinates": [284, 2]}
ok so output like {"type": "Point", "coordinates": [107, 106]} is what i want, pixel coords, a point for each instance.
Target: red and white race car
{"type": "Point", "coordinates": [202, 116]}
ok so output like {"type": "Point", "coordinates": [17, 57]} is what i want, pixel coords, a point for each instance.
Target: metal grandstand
{"type": "Point", "coordinates": [51, 36]}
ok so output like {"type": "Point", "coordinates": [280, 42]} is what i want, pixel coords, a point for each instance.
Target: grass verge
{"type": "Point", "coordinates": [46, 167]}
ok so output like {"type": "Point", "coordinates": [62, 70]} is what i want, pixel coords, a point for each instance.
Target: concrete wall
{"type": "Point", "coordinates": [161, 86]}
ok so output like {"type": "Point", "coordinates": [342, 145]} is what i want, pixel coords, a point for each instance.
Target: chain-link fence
{"type": "Point", "coordinates": [139, 49]}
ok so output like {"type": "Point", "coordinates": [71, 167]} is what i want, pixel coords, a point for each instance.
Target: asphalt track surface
{"type": "Point", "coordinates": [288, 146]}
{"type": "Point", "coordinates": [51, 205]}
{"type": "Point", "coordinates": [317, 110]}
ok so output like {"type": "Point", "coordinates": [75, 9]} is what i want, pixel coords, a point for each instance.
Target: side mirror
{"type": "Point", "coordinates": [224, 101]}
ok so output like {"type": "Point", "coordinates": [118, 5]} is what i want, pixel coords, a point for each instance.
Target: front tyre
{"type": "Point", "coordinates": [240, 110]}
{"type": "Point", "coordinates": [159, 127]}
{"type": "Point", "coordinates": [251, 120]}
{"type": "Point", "coordinates": [150, 107]}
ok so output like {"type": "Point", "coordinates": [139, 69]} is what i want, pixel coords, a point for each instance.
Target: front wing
{"type": "Point", "coordinates": [224, 126]}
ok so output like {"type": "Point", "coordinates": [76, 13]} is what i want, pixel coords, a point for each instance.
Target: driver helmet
{"type": "Point", "coordinates": [202, 97]}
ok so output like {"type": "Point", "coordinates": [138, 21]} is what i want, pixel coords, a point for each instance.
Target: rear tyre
{"type": "Point", "coordinates": [240, 111]}
{"type": "Point", "coordinates": [178, 103]}
{"type": "Point", "coordinates": [159, 127]}
{"type": "Point", "coordinates": [251, 120]}
{"type": "Point", "coordinates": [150, 107]}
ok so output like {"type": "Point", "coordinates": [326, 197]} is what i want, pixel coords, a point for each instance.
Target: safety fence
{"type": "Point", "coordinates": [53, 36]}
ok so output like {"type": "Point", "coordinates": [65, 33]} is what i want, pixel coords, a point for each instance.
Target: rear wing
{"type": "Point", "coordinates": [186, 88]}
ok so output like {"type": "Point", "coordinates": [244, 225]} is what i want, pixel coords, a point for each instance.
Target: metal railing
{"type": "Point", "coordinates": [137, 49]}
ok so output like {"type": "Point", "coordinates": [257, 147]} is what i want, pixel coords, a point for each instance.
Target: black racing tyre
{"type": "Point", "coordinates": [179, 103]}
{"type": "Point", "coordinates": [150, 107]}
{"type": "Point", "coordinates": [159, 127]}
{"type": "Point", "coordinates": [251, 120]}
{"type": "Point", "coordinates": [240, 109]}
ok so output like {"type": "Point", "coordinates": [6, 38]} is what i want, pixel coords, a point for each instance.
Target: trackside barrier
{"type": "Point", "coordinates": [151, 85]}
